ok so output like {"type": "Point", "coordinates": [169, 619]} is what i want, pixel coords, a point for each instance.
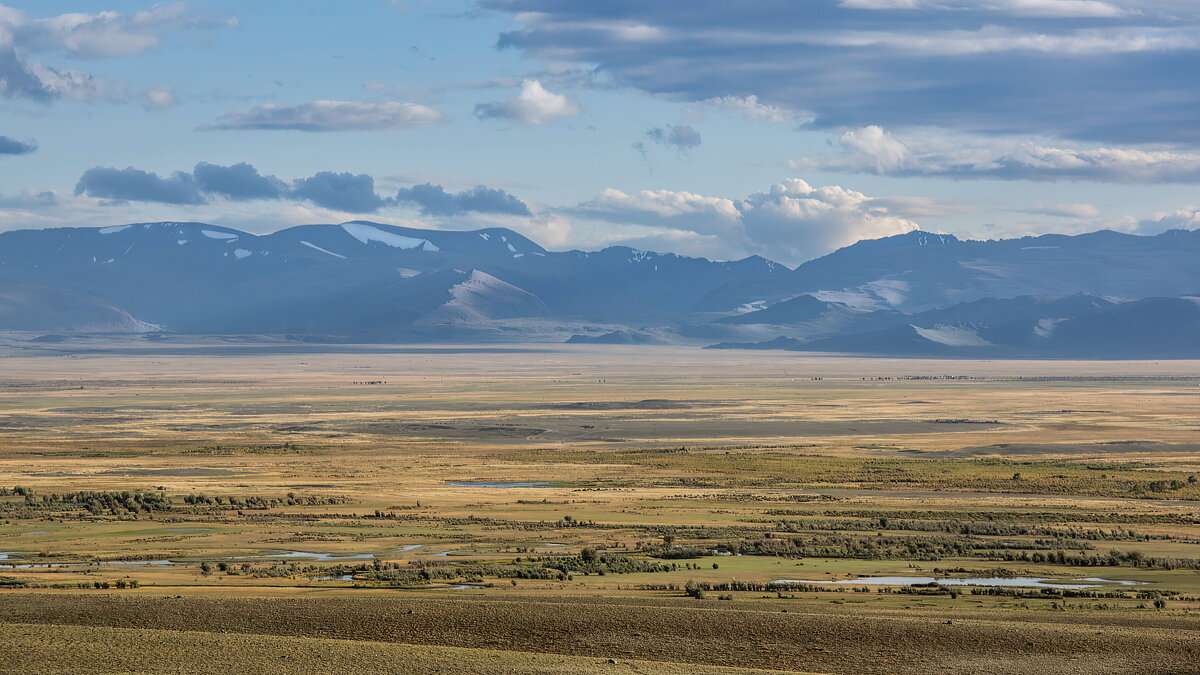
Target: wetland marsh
{"type": "Point", "coordinates": [755, 493]}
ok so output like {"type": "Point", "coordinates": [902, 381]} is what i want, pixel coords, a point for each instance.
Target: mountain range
{"type": "Point", "coordinates": [1103, 294]}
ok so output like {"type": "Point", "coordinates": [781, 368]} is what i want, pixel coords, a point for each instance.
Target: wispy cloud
{"type": "Point", "coordinates": [86, 36]}
{"type": "Point", "coordinates": [330, 116]}
{"type": "Point", "coordinates": [876, 151]}
{"type": "Point", "coordinates": [1095, 70]}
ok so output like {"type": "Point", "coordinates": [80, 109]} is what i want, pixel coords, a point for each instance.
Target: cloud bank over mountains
{"type": "Point", "coordinates": [344, 192]}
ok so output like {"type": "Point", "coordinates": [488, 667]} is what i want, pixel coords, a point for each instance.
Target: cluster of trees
{"type": "Point", "coordinates": [988, 528]}
{"type": "Point", "coordinates": [115, 503]}
{"type": "Point", "coordinates": [262, 503]}
{"type": "Point", "coordinates": [881, 547]}
{"type": "Point", "coordinates": [1113, 558]}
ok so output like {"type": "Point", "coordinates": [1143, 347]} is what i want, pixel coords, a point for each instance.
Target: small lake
{"type": "Point", "coordinates": [14, 565]}
{"type": "Point", "coordinates": [141, 562]}
{"type": "Point", "coordinates": [308, 556]}
{"type": "Point", "coordinates": [483, 484]}
{"type": "Point", "coordinates": [343, 577]}
{"type": "Point", "coordinates": [409, 547]}
{"type": "Point", "coordinates": [1013, 582]}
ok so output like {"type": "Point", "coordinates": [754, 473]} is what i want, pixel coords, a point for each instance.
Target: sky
{"type": "Point", "coordinates": [780, 128]}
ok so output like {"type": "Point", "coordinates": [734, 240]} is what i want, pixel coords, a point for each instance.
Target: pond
{"type": "Point", "coordinates": [1017, 582]}
{"type": "Point", "coordinates": [13, 564]}
{"type": "Point", "coordinates": [140, 562]}
{"type": "Point", "coordinates": [343, 577]}
{"type": "Point", "coordinates": [308, 556]}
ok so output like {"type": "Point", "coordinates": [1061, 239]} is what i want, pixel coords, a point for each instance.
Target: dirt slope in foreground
{"type": "Point", "coordinates": [810, 638]}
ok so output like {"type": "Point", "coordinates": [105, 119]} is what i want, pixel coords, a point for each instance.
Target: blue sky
{"type": "Point", "coordinates": [772, 127]}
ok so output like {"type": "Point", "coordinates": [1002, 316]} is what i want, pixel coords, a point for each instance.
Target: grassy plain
{"type": "Point", "coordinates": [533, 506]}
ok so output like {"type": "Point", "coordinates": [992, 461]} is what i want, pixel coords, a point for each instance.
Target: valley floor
{"type": "Point", "coordinates": [547, 508]}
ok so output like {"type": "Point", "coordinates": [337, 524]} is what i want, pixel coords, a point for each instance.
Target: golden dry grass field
{"type": "Point", "coordinates": [217, 506]}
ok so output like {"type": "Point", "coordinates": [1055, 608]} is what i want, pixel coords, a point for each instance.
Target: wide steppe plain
{"type": "Point", "coordinates": [195, 505]}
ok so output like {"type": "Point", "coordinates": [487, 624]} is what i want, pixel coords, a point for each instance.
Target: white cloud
{"type": "Point", "coordinates": [1110, 71]}
{"type": "Point", "coordinates": [88, 36]}
{"type": "Point", "coordinates": [665, 208]}
{"type": "Point", "coordinates": [993, 39]}
{"type": "Point", "coordinates": [746, 106]}
{"type": "Point", "coordinates": [330, 116]}
{"type": "Point", "coordinates": [936, 153]}
{"type": "Point", "coordinates": [534, 104]}
{"type": "Point", "coordinates": [795, 221]}
{"type": "Point", "coordinates": [1187, 218]}
{"type": "Point", "coordinates": [1073, 210]}
{"type": "Point", "coordinates": [888, 153]}
{"type": "Point", "coordinates": [791, 222]}
{"type": "Point", "coordinates": [1030, 8]}
{"type": "Point", "coordinates": [159, 98]}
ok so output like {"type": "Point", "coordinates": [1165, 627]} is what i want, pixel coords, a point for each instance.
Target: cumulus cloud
{"type": "Point", "coordinates": [85, 36]}
{"type": "Point", "coordinates": [1187, 218]}
{"type": "Point", "coordinates": [534, 104]}
{"type": "Point", "coordinates": [238, 182]}
{"type": "Point", "coordinates": [135, 185]}
{"type": "Point", "coordinates": [1095, 70]}
{"type": "Point", "coordinates": [873, 150]}
{"type": "Point", "coordinates": [11, 146]}
{"type": "Point", "coordinates": [242, 182]}
{"type": "Point", "coordinates": [434, 200]}
{"type": "Point", "coordinates": [330, 116]}
{"type": "Point", "coordinates": [790, 222]}
{"type": "Point", "coordinates": [795, 221]}
{"type": "Point", "coordinates": [353, 193]}
{"type": "Point", "coordinates": [884, 150]}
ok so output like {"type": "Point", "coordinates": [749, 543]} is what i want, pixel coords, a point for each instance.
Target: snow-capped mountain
{"type": "Point", "coordinates": [917, 293]}
{"type": "Point", "coordinates": [356, 278]}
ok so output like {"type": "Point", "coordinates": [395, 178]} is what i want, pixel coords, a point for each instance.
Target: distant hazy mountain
{"type": "Point", "coordinates": [357, 278]}
{"type": "Point", "coordinates": [35, 308]}
{"type": "Point", "coordinates": [1076, 326]}
{"type": "Point", "coordinates": [919, 271]}
{"type": "Point", "coordinates": [1101, 294]}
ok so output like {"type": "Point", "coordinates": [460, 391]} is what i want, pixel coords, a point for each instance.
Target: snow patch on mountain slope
{"type": "Point", "coordinates": [873, 295]}
{"type": "Point", "coordinates": [213, 234]}
{"type": "Point", "coordinates": [482, 297]}
{"type": "Point", "coordinates": [952, 336]}
{"type": "Point", "coordinates": [318, 248]}
{"type": "Point", "coordinates": [369, 233]}
{"type": "Point", "coordinates": [1045, 327]}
